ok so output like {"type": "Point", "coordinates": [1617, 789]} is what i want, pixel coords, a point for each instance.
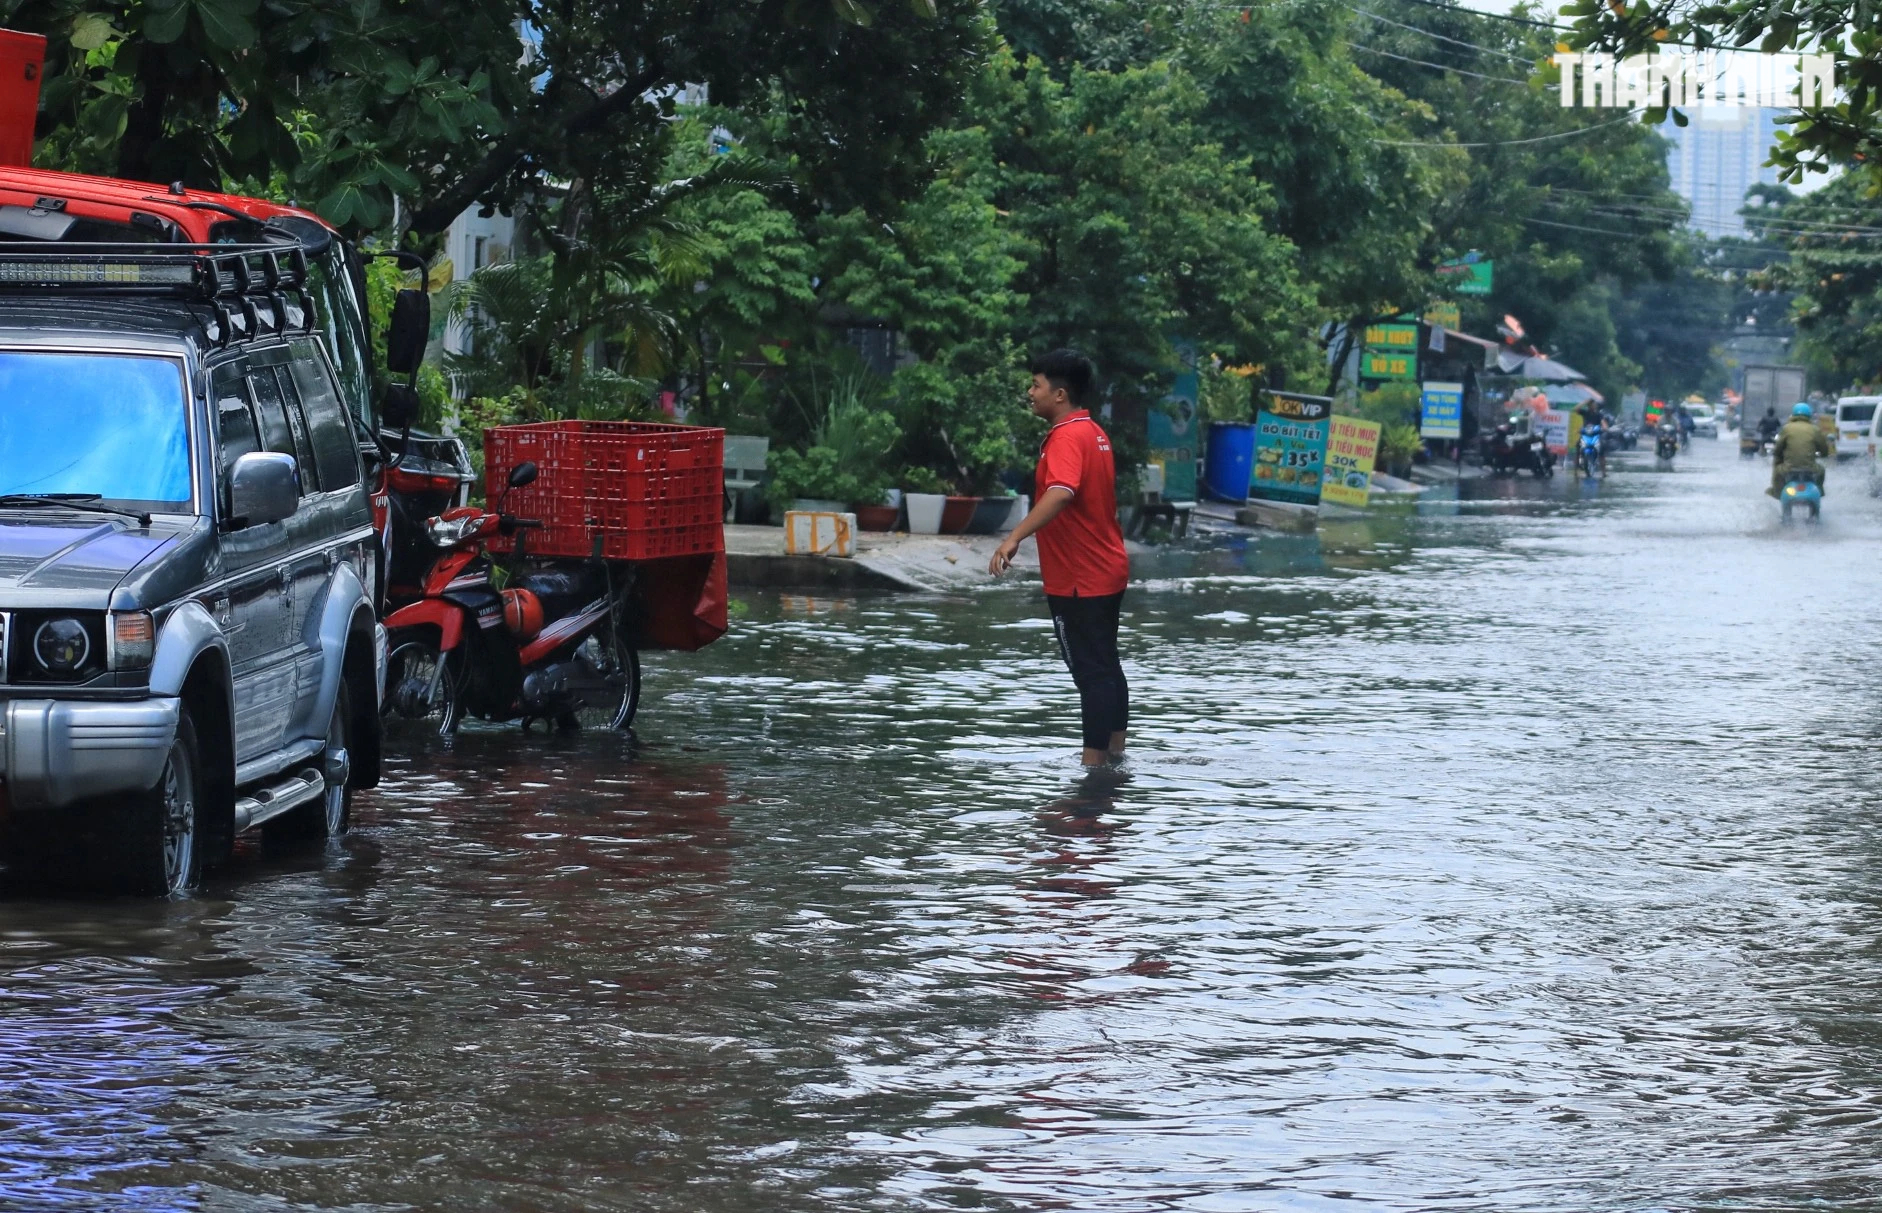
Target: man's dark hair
{"type": "Point", "coordinates": [1067, 369]}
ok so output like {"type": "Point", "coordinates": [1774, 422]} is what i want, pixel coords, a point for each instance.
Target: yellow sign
{"type": "Point", "coordinates": [1391, 337]}
{"type": "Point", "coordinates": [1352, 445]}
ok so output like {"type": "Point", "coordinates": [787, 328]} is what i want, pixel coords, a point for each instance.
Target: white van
{"type": "Point", "coordinates": [1855, 424]}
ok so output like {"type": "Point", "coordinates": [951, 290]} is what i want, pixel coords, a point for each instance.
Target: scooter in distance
{"type": "Point", "coordinates": [1665, 446]}
{"type": "Point", "coordinates": [533, 639]}
{"type": "Point", "coordinates": [1588, 451]}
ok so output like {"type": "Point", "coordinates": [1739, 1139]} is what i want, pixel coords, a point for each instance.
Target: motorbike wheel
{"type": "Point", "coordinates": [627, 666]}
{"type": "Point", "coordinates": [412, 667]}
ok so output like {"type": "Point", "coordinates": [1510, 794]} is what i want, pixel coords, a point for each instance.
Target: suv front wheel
{"type": "Point", "coordinates": [159, 831]}
{"type": "Point", "coordinates": [329, 814]}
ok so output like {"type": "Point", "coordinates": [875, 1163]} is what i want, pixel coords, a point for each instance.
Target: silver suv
{"type": "Point", "coordinates": [188, 646]}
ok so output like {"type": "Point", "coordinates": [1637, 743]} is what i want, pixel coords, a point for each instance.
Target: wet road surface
{"type": "Point", "coordinates": [1516, 852]}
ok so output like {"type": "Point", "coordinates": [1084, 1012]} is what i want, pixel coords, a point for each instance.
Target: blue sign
{"type": "Point", "coordinates": [1443, 414]}
{"type": "Point", "coordinates": [1290, 448]}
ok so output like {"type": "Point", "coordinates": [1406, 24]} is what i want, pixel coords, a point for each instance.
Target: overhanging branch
{"type": "Point", "coordinates": [510, 150]}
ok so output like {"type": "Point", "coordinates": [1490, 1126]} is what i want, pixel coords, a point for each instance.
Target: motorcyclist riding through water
{"type": "Point", "coordinates": [1800, 444]}
{"type": "Point", "coordinates": [1768, 425]}
{"type": "Point", "coordinates": [1592, 421]}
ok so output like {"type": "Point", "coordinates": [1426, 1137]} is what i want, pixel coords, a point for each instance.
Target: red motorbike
{"type": "Point", "coordinates": [527, 638]}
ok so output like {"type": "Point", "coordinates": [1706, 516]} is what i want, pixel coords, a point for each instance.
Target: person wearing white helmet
{"type": "Point", "coordinates": [1800, 444]}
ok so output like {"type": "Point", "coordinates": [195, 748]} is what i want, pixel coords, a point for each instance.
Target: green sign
{"type": "Point", "coordinates": [1470, 274]}
{"type": "Point", "coordinates": [1391, 338]}
{"type": "Point", "coordinates": [1387, 364]}
{"type": "Point", "coordinates": [1444, 314]}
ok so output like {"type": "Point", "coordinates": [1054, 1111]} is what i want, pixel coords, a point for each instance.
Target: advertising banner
{"type": "Point", "coordinates": [1389, 351]}
{"type": "Point", "coordinates": [1290, 448]}
{"type": "Point", "coordinates": [1384, 364]}
{"type": "Point", "coordinates": [1443, 413]}
{"type": "Point", "coordinates": [1471, 274]}
{"type": "Point", "coordinates": [1352, 445]}
{"type": "Point", "coordinates": [1173, 433]}
{"type": "Point", "coordinates": [1552, 424]}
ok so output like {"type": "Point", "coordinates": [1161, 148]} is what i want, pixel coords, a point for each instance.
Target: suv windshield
{"type": "Point", "coordinates": [114, 425]}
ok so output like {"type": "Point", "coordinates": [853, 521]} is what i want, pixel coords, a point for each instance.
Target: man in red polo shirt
{"type": "Point", "coordinates": [1081, 549]}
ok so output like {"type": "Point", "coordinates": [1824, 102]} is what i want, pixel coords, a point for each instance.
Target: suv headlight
{"type": "Point", "coordinates": [449, 532]}
{"type": "Point", "coordinates": [61, 645]}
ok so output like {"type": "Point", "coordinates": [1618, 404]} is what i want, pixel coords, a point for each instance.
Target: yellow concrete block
{"type": "Point", "coordinates": [815, 533]}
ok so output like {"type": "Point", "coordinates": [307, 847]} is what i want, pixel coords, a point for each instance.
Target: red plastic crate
{"type": "Point", "coordinates": [626, 490]}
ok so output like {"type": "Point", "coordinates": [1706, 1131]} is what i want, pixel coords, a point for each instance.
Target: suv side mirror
{"type": "Point", "coordinates": [398, 408]}
{"type": "Point", "coordinates": [522, 474]}
{"type": "Point", "coordinates": [409, 331]}
{"type": "Point", "coordinates": [265, 486]}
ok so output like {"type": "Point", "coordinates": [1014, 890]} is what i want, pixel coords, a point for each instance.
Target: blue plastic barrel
{"type": "Point", "coordinates": [1228, 466]}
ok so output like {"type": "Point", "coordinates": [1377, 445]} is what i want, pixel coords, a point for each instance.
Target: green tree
{"type": "Point", "coordinates": [1136, 226]}
{"type": "Point", "coordinates": [350, 105]}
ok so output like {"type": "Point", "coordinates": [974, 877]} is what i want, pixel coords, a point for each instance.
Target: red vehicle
{"type": "Point", "coordinates": [557, 639]}
{"type": "Point", "coordinates": [540, 616]}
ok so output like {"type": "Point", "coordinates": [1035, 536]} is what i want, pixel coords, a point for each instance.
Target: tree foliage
{"type": "Point", "coordinates": [348, 105]}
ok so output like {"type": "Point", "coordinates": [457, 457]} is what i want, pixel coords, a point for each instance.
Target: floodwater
{"type": "Point", "coordinates": [1513, 853]}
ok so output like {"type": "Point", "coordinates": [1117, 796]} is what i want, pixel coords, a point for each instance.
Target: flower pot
{"type": "Point", "coordinates": [892, 497]}
{"type": "Point", "coordinates": [1021, 506]}
{"type": "Point", "coordinates": [924, 512]}
{"type": "Point", "coordinates": [958, 512]}
{"type": "Point", "coordinates": [877, 517]}
{"type": "Point", "coordinates": [990, 515]}
{"type": "Point", "coordinates": [818, 505]}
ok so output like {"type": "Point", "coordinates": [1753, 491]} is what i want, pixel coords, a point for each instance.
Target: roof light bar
{"type": "Point", "coordinates": [95, 273]}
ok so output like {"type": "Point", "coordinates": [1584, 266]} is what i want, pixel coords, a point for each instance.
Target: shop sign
{"type": "Point", "coordinates": [1442, 415]}
{"type": "Point", "coordinates": [1290, 449]}
{"type": "Point", "coordinates": [1352, 445]}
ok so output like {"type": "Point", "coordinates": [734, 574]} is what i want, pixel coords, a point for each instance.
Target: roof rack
{"type": "Point", "coordinates": [252, 290]}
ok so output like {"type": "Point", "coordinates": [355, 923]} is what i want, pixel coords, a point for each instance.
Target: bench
{"type": "Point", "coordinates": [744, 476]}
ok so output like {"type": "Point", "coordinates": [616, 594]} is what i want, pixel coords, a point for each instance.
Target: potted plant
{"type": "Point", "coordinates": [923, 494]}
{"type": "Point", "coordinates": [843, 464]}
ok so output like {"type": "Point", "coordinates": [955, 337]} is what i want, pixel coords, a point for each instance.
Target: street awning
{"type": "Point", "coordinates": [1572, 394]}
{"type": "Point", "coordinates": [1530, 366]}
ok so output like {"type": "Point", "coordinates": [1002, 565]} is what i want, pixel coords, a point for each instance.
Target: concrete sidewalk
{"type": "Point", "coordinates": [893, 561]}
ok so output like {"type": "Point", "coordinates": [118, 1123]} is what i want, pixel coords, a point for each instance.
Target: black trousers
{"type": "Point", "coordinates": [1087, 632]}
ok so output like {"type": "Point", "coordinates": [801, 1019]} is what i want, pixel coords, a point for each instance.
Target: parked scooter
{"type": "Point", "coordinates": [1506, 453]}
{"type": "Point", "coordinates": [530, 640]}
{"type": "Point", "coordinates": [1801, 490]}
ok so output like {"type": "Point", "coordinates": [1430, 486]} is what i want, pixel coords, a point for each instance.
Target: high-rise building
{"type": "Point", "coordinates": [1716, 158]}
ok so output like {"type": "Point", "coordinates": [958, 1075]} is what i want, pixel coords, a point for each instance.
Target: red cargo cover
{"type": "Point", "coordinates": [683, 601]}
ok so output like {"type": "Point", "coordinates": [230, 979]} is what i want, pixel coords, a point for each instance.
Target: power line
{"type": "Point", "coordinates": [1580, 130]}
{"type": "Point", "coordinates": [1443, 67]}
{"type": "Point", "coordinates": [1488, 50]}
{"type": "Point", "coordinates": [1805, 227]}
{"type": "Point", "coordinates": [1509, 17]}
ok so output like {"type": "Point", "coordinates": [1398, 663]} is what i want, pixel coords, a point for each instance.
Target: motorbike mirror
{"type": "Point", "coordinates": [522, 474]}
{"type": "Point", "coordinates": [408, 332]}
{"type": "Point", "coordinates": [399, 408]}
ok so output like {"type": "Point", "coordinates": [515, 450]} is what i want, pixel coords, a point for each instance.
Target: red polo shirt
{"type": "Point", "coordinates": [1081, 551]}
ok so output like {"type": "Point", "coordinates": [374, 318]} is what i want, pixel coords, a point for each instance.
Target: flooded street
{"type": "Point", "coordinates": [1516, 852]}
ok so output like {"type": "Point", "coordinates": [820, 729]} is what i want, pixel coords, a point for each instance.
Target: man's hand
{"type": "Point", "coordinates": [1003, 555]}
